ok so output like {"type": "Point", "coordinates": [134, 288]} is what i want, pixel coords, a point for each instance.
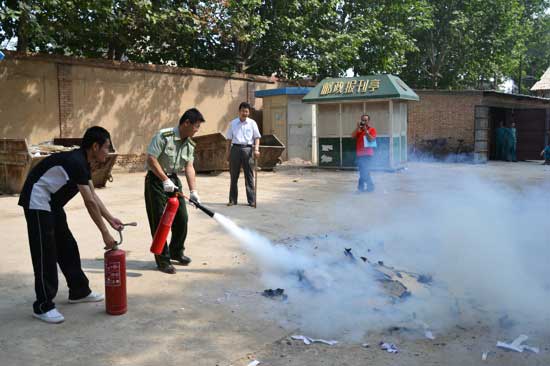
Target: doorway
{"type": "Point", "coordinates": [530, 130]}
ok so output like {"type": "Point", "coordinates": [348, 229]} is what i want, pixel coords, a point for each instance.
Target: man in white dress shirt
{"type": "Point", "coordinates": [243, 140]}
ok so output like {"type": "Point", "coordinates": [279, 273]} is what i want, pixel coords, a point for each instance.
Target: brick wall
{"type": "Point", "coordinates": [444, 116]}
{"type": "Point", "coordinates": [49, 96]}
{"type": "Point", "coordinates": [65, 95]}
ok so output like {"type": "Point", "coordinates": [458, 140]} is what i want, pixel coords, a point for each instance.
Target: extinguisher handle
{"type": "Point", "coordinates": [120, 236]}
{"type": "Point", "coordinates": [115, 247]}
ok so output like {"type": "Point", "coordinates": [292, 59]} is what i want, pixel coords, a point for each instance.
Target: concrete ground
{"type": "Point", "coordinates": [210, 313]}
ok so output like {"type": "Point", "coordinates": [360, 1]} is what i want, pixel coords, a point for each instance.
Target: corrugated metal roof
{"type": "Point", "coordinates": [543, 83]}
{"type": "Point", "coordinates": [515, 95]}
{"type": "Point", "coordinates": [382, 86]}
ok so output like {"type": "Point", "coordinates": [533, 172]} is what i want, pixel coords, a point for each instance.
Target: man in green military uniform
{"type": "Point", "coordinates": [170, 152]}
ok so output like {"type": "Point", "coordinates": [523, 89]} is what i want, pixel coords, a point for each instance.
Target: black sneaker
{"type": "Point", "coordinates": [167, 268]}
{"type": "Point", "coordinates": [183, 260]}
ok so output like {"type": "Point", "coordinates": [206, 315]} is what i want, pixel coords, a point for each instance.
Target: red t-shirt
{"type": "Point", "coordinates": [360, 148]}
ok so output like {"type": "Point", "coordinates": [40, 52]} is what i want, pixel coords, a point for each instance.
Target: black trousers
{"type": "Point", "coordinates": [364, 164]}
{"type": "Point", "coordinates": [155, 201]}
{"type": "Point", "coordinates": [241, 156]}
{"type": "Point", "coordinates": [51, 242]}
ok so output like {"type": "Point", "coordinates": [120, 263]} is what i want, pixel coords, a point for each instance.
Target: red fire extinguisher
{"type": "Point", "coordinates": [165, 224]}
{"type": "Point", "coordinates": [115, 278]}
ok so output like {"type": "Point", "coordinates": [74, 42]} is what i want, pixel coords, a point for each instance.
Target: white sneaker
{"type": "Point", "coordinates": [53, 317]}
{"type": "Point", "coordinates": [92, 297]}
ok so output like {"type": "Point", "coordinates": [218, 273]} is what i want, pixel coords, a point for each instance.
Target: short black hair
{"type": "Point", "coordinates": [94, 134]}
{"type": "Point", "coordinates": [193, 115]}
{"type": "Point", "coordinates": [245, 105]}
{"type": "Point", "coordinates": [365, 115]}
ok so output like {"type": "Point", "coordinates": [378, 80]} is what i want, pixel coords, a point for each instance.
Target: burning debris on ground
{"type": "Point", "coordinates": [305, 282]}
{"type": "Point", "coordinates": [506, 322]}
{"type": "Point", "coordinates": [326, 282]}
{"type": "Point", "coordinates": [397, 283]}
{"type": "Point", "coordinates": [277, 294]}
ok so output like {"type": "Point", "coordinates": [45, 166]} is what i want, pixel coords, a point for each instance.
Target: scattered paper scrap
{"type": "Point", "coordinates": [508, 346]}
{"type": "Point", "coordinates": [517, 345]}
{"type": "Point", "coordinates": [531, 349]}
{"type": "Point", "coordinates": [308, 340]}
{"type": "Point", "coordinates": [301, 338]}
{"type": "Point", "coordinates": [389, 347]}
{"type": "Point", "coordinates": [330, 342]}
{"type": "Point", "coordinates": [428, 334]}
{"type": "Point", "coordinates": [254, 363]}
{"type": "Point", "coordinates": [519, 340]}
{"type": "Point", "coordinates": [366, 345]}
{"type": "Point", "coordinates": [484, 356]}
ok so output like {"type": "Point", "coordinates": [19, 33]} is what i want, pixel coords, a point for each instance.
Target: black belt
{"type": "Point", "coordinates": [171, 175]}
{"type": "Point", "coordinates": [242, 145]}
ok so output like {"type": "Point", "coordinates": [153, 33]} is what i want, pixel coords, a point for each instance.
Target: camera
{"type": "Point", "coordinates": [362, 123]}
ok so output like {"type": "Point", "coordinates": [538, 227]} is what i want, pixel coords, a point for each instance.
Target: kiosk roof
{"type": "Point", "coordinates": [383, 86]}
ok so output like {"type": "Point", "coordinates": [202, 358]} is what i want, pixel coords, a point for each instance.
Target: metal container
{"type": "Point", "coordinates": [271, 149]}
{"type": "Point", "coordinates": [101, 172]}
{"type": "Point", "coordinates": [16, 162]}
{"type": "Point", "coordinates": [210, 153]}
{"type": "Point", "coordinates": [211, 149]}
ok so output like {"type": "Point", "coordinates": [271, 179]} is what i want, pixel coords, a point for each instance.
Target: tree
{"type": "Point", "coordinates": [19, 20]}
{"type": "Point", "coordinates": [430, 43]}
{"type": "Point", "coordinates": [290, 37]}
{"type": "Point", "coordinates": [385, 30]}
{"type": "Point", "coordinates": [470, 43]}
{"type": "Point", "coordinates": [537, 56]}
{"type": "Point", "coordinates": [142, 30]}
{"type": "Point", "coordinates": [327, 38]}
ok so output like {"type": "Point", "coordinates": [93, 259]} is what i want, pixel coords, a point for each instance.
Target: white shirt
{"type": "Point", "coordinates": [243, 133]}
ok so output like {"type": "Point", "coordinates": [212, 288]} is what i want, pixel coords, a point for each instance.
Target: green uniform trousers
{"type": "Point", "coordinates": [155, 201]}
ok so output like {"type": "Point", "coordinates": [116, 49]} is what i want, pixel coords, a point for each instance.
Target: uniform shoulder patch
{"type": "Point", "coordinates": [167, 133]}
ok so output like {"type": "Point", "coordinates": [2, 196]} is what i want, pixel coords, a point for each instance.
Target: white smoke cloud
{"type": "Point", "coordinates": [486, 245]}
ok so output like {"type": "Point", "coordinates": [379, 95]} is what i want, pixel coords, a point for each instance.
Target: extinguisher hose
{"type": "Point", "coordinates": [204, 209]}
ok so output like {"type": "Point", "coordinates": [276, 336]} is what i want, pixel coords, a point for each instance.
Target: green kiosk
{"type": "Point", "coordinates": [340, 104]}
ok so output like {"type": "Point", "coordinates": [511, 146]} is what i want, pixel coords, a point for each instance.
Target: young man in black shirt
{"type": "Point", "coordinates": [48, 187]}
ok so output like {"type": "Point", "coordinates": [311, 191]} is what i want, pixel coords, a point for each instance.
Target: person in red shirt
{"type": "Point", "coordinates": [365, 142]}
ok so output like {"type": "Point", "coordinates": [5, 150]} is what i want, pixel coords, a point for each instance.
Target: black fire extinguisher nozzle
{"type": "Point", "coordinates": [202, 208]}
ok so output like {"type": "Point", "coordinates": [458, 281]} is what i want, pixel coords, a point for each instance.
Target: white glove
{"type": "Point", "coordinates": [194, 195]}
{"type": "Point", "coordinates": [168, 185]}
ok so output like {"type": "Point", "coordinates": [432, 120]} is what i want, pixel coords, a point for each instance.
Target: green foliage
{"type": "Point", "coordinates": [430, 43]}
{"type": "Point", "coordinates": [537, 55]}
{"type": "Point", "coordinates": [473, 43]}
